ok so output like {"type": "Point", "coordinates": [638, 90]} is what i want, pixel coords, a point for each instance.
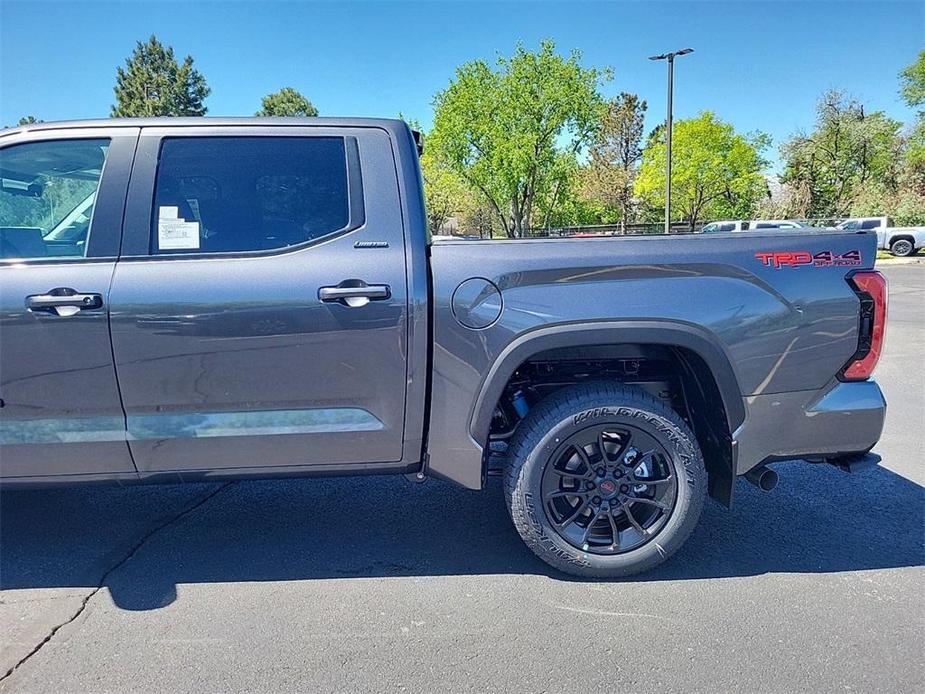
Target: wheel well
{"type": "Point", "coordinates": [902, 237]}
{"type": "Point", "coordinates": [676, 375]}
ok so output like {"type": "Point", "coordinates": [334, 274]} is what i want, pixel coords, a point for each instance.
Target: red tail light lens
{"type": "Point", "coordinates": [870, 286]}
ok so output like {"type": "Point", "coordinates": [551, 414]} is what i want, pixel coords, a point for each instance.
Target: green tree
{"type": "Point", "coordinates": [25, 120]}
{"type": "Point", "coordinates": [848, 152]}
{"type": "Point", "coordinates": [912, 81]}
{"type": "Point", "coordinates": [154, 84]}
{"type": "Point", "coordinates": [913, 175]}
{"type": "Point", "coordinates": [478, 219]}
{"type": "Point", "coordinates": [286, 102]}
{"type": "Point", "coordinates": [615, 155]}
{"type": "Point", "coordinates": [445, 193]}
{"type": "Point", "coordinates": [716, 172]}
{"type": "Point", "coordinates": [512, 132]}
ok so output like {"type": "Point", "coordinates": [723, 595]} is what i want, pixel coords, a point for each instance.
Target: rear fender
{"type": "Point", "coordinates": [665, 333]}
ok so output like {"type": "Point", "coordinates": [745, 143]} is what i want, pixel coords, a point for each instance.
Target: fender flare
{"type": "Point", "coordinates": [668, 333]}
{"type": "Point", "coordinates": [900, 236]}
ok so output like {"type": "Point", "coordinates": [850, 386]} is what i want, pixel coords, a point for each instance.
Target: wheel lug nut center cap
{"type": "Point", "coordinates": [608, 487]}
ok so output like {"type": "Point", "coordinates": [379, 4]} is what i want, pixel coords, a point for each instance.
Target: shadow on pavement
{"type": "Point", "coordinates": [818, 520]}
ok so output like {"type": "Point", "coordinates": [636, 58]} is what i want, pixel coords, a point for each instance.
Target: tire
{"type": "Point", "coordinates": [902, 248]}
{"type": "Point", "coordinates": [544, 464]}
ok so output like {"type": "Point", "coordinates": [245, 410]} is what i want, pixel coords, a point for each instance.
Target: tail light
{"type": "Point", "coordinates": [870, 286]}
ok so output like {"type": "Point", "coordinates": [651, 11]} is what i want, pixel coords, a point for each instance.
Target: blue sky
{"type": "Point", "coordinates": [760, 65]}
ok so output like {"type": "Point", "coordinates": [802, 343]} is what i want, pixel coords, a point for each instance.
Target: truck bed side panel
{"type": "Point", "coordinates": [782, 329]}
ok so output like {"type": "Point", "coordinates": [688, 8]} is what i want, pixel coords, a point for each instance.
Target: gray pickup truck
{"type": "Point", "coordinates": [206, 299]}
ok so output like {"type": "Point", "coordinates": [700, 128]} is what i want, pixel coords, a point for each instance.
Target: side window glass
{"type": "Point", "coordinates": [727, 227]}
{"type": "Point", "coordinates": [239, 194]}
{"type": "Point", "coordinates": [870, 224]}
{"type": "Point", "coordinates": [47, 194]}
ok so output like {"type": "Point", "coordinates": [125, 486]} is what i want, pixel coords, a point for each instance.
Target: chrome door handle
{"type": "Point", "coordinates": [64, 301]}
{"type": "Point", "coordinates": [355, 293]}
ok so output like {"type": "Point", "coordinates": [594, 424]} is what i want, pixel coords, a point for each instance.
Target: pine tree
{"type": "Point", "coordinates": [286, 102]}
{"type": "Point", "coordinates": [154, 84]}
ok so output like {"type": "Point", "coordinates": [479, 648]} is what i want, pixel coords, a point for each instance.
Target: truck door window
{"type": "Point", "coordinates": [239, 194]}
{"type": "Point", "coordinates": [47, 194]}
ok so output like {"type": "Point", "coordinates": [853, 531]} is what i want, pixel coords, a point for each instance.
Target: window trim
{"type": "Point", "coordinates": [140, 206]}
{"type": "Point", "coordinates": [106, 225]}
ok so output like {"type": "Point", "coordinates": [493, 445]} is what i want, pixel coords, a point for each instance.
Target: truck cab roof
{"type": "Point", "coordinates": [389, 124]}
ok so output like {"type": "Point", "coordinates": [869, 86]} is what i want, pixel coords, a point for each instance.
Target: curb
{"type": "Point", "coordinates": [899, 261]}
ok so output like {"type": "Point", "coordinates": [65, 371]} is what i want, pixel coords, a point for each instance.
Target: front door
{"type": "Point", "coordinates": [253, 327]}
{"type": "Point", "coordinates": [61, 202]}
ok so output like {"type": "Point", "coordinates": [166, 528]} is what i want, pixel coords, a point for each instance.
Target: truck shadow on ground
{"type": "Point", "coordinates": [142, 542]}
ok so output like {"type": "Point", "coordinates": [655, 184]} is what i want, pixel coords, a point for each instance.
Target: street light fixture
{"type": "Point", "coordinates": [670, 58]}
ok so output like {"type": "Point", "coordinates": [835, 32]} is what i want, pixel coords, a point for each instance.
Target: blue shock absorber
{"type": "Point", "coordinates": [520, 404]}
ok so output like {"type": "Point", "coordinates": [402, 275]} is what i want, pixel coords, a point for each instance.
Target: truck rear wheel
{"type": "Point", "coordinates": [604, 480]}
{"type": "Point", "coordinates": [902, 248]}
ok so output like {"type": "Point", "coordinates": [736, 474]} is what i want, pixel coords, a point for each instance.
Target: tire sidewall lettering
{"type": "Point", "coordinates": [676, 443]}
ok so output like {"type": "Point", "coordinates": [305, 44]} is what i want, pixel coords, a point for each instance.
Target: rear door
{"type": "Point", "coordinates": [259, 312]}
{"type": "Point", "coordinates": [61, 204]}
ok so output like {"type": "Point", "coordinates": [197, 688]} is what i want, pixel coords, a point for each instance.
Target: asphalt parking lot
{"type": "Point", "coordinates": [375, 584]}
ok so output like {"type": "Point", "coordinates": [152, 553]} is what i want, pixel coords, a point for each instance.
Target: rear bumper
{"type": "Point", "coordinates": [843, 421]}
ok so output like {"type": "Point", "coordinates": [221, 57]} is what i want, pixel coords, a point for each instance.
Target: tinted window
{"type": "Point", "coordinates": [766, 225]}
{"type": "Point", "coordinates": [870, 224]}
{"type": "Point", "coordinates": [47, 194]}
{"type": "Point", "coordinates": [727, 227]}
{"type": "Point", "coordinates": [226, 194]}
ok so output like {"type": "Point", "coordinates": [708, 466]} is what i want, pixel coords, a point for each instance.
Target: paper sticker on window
{"type": "Point", "coordinates": [174, 232]}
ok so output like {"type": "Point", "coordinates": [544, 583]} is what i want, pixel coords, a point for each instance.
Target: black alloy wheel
{"type": "Point", "coordinates": [609, 489]}
{"type": "Point", "coordinates": [604, 480]}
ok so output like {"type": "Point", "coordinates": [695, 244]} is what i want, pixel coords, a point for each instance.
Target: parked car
{"type": "Point", "coordinates": [754, 224]}
{"type": "Point", "coordinates": [455, 237]}
{"type": "Point", "coordinates": [725, 226]}
{"type": "Point", "coordinates": [757, 224]}
{"type": "Point", "coordinates": [901, 241]}
{"type": "Point", "coordinates": [257, 297]}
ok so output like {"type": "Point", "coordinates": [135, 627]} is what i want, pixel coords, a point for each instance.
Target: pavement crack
{"type": "Point", "coordinates": [133, 550]}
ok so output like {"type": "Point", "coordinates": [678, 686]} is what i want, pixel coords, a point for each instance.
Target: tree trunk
{"type": "Point", "coordinates": [517, 222]}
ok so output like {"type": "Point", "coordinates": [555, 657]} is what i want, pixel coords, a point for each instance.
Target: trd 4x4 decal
{"type": "Point", "coordinates": [779, 259]}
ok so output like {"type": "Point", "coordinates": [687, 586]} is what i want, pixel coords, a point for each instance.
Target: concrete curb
{"type": "Point", "coordinates": [900, 261]}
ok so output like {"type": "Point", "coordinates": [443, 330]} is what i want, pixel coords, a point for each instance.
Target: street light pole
{"type": "Point", "coordinates": [670, 58]}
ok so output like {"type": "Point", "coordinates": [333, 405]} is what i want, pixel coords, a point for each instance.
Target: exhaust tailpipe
{"type": "Point", "coordinates": [762, 477]}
